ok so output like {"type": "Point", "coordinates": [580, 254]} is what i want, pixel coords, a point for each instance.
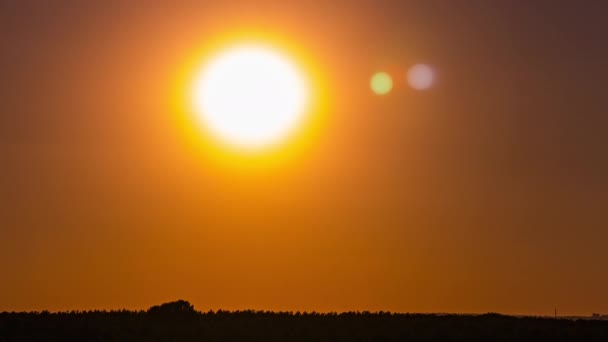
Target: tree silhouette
{"type": "Point", "coordinates": [178, 321]}
{"type": "Point", "coordinates": [179, 307]}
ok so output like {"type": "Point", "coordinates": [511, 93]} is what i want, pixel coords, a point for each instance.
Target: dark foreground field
{"type": "Point", "coordinates": [179, 322]}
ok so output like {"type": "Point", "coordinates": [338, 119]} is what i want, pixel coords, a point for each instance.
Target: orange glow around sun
{"type": "Point", "coordinates": [251, 99]}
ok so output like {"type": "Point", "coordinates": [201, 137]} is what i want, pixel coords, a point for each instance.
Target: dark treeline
{"type": "Point", "coordinates": [178, 321]}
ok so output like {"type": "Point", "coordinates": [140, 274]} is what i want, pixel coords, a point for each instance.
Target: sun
{"type": "Point", "coordinates": [250, 97]}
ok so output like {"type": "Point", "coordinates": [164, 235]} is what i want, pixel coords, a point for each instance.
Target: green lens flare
{"type": "Point", "coordinates": [381, 83]}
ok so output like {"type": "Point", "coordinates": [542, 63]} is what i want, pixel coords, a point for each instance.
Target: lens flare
{"type": "Point", "coordinates": [381, 83]}
{"type": "Point", "coordinates": [420, 77]}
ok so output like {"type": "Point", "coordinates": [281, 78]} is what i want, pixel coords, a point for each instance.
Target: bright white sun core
{"type": "Point", "coordinates": [250, 96]}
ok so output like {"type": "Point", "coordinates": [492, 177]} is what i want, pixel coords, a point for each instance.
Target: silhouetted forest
{"type": "Point", "coordinates": [179, 321]}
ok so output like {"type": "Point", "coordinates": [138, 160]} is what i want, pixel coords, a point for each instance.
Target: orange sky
{"type": "Point", "coordinates": [485, 193]}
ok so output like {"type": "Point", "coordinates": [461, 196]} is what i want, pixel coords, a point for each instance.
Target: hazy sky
{"type": "Point", "coordinates": [488, 192]}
